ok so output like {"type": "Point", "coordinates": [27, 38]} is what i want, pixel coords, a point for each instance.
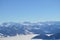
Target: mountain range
{"type": "Point", "coordinates": [12, 28]}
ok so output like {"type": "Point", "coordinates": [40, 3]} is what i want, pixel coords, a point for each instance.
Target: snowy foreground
{"type": "Point", "coordinates": [19, 37]}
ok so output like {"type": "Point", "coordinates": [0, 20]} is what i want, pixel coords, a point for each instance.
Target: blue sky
{"type": "Point", "coordinates": [29, 10]}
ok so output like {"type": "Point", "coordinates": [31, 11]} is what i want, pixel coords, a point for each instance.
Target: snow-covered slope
{"type": "Point", "coordinates": [19, 37]}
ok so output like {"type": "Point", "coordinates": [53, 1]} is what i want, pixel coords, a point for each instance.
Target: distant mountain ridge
{"type": "Point", "coordinates": [12, 28]}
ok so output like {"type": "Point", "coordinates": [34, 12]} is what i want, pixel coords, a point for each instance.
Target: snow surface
{"type": "Point", "coordinates": [19, 37]}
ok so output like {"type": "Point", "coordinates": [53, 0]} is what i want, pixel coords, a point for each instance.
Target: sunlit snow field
{"type": "Point", "coordinates": [19, 37]}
